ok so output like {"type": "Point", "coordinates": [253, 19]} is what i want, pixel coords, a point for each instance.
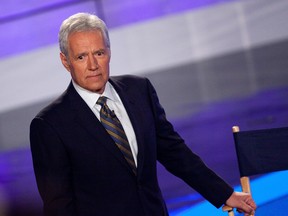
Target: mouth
{"type": "Point", "coordinates": [93, 76]}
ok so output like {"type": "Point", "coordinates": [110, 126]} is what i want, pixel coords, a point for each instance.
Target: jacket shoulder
{"type": "Point", "coordinates": [130, 82]}
{"type": "Point", "coordinates": [56, 107]}
{"type": "Point", "coordinates": [128, 79]}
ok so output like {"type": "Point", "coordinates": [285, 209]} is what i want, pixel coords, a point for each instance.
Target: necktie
{"type": "Point", "coordinates": [114, 127]}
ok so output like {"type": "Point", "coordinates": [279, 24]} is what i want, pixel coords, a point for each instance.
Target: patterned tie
{"type": "Point", "coordinates": [113, 126]}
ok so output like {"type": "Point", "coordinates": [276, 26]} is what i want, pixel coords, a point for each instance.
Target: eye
{"type": "Point", "coordinates": [100, 53]}
{"type": "Point", "coordinates": [80, 57]}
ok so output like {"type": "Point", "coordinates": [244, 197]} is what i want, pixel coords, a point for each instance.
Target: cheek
{"type": "Point", "coordinates": [77, 73]}
{"type": "Point", "coordinates": [77, 68]}
{"type": "Point", "coordinates": [106, 66]}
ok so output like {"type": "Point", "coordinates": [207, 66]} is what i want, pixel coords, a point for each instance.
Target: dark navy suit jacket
{"type": "Point", "coordinates": [81, 172]}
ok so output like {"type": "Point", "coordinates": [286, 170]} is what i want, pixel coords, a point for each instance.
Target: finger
{"type": "Point", "coordinates": [251, 213]}
{"type": "Point", "coordinates": [252, 205]}
{"type": "Point", "coordinates": [239, 210]}
{"type": "Point", "coordinates": [250, 202]}
{"type": "Point", "coordinates": [246, 208]}
{"type": "Point", "coordinates": [248, 213]}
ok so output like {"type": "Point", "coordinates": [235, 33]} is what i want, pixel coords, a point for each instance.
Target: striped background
{"type": "Point", "coordinates": [210, 57]}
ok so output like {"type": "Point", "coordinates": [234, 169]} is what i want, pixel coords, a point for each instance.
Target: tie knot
{"type": "Point", "coordinates": [101, 100]}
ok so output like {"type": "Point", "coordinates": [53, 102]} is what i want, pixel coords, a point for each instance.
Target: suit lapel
{"type": "Point", "coordinates": [86, 119]}
{"type": "Point", "coordinates": [133, 111]}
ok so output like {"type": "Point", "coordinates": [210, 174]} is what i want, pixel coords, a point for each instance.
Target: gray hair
{"type": "Point", "coordinates": [81, 22]}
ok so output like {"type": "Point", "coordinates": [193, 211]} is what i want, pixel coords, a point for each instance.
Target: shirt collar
{"type": "Point", "coordinates": [91, 97]}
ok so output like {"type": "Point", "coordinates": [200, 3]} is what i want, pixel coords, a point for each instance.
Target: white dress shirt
{"type": "Point", "coordinates": [114, 103]}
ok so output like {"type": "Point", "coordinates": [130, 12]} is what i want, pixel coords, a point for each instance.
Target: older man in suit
{"type": "Point", "coordinates": [87, 166]}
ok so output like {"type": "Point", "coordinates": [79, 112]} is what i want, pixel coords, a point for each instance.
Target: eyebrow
{"type": "Point", "coordinates": [100, 50]}
{"type": "Point", "coordinates": [82, 53]}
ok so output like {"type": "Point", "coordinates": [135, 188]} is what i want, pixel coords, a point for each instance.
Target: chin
{"type": "Point", "coordinates": [98, 90]}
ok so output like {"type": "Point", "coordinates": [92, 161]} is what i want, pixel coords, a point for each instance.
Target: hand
{"type": "Point", "coordinates": [243, 202]}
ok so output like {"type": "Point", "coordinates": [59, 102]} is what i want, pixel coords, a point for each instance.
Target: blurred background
{"type": "Point", "coordinates": [219, 62]}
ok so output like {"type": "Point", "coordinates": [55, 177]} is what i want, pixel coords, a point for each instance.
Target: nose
{"type": "Point", "coordinates": [92, 63]}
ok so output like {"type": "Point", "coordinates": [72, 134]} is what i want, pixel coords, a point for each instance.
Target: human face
{"type": "Point", "coordinates": [88, 60]}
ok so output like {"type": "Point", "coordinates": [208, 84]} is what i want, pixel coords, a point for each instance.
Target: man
{"type": "Point", "coordinates": [80, 168]}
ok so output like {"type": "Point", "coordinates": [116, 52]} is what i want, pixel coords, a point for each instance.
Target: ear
{"type": "Point", "coordinates": [109, 53]}
{"type": "Point", "coordinates": [65, 61]}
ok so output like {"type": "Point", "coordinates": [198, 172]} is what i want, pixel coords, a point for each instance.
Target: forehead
{"type": "Point", "coordinates": [85, 39]}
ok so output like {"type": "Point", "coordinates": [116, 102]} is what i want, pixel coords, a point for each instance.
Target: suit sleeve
{"type": "Point", "coordinates": [52, 169]}
{"type": "Point", "coordinates": [177, 158]}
